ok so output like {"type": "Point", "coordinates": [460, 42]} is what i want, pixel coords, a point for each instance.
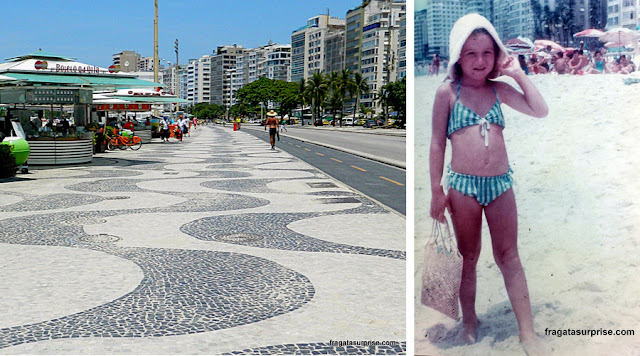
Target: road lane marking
{"type": "Point", "coordinates": [319, 154]}
{"type": "Point", "coordinates": [298, 146]}
{"type": "Point", "coordinates": [391, 180]}
{"type": "Point", "coordinates": [358, 168]}
{"type": "Point", "coordinates": [337, 160]}
{"type": "Point", "coordinates": [306, 149]}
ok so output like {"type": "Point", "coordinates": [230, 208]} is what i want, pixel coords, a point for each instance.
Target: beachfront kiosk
{"type": "Point", "coordinates": [34, 86]}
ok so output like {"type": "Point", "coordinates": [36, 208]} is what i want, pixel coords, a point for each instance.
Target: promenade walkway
{"type": "Point", "coordinates": [214, 245]}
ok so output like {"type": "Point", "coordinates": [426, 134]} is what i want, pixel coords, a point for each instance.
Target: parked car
{"type": "Point", "coordinates": [372, 123]}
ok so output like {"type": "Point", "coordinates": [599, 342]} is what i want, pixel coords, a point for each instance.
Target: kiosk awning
{"type": "Point", "coordinates": [93, 81]}
{"type": "Point", "coordinates": [150, 99]}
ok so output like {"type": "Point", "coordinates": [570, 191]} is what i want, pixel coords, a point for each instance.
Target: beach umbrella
{"type": "Point", "coordinates": [590, 32]}
{"type": "Point", "coordinates": [621, 35]}
{"type": "Point", "coordinates": [542, 44]}
{"type": "Point", "coordinates": [615, 44]}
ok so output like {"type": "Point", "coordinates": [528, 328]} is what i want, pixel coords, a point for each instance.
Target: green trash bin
{"type": "Point", "coordinates": [19, 149]}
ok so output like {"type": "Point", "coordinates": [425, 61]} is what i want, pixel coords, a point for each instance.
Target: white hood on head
{"type": "Point", "coordinates": [461, 30]}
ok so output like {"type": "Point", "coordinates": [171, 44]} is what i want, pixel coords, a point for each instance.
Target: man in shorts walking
{"type": "Point", "coordinates": [273, 124]}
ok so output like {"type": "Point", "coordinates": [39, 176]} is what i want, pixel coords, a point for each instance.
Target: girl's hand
{"type": "Point", "coordinates": [439, 202]}
{"type": "Point", "coordinates": [511, 67]}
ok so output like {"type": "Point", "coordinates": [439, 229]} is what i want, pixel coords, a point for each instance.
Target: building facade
{"type": "Point", "coordinates": [334, 51]}
{"type": "Point", "coordinates": [623, 13]}
{"type": "Point", "coordinates": [199, 80]}
{"type": "Point", "coordinates": [308, 51]}
{"type": "Point", "coordinates": [127, 60]}
{"type": "Point", "coordinates": [420, 41]}
{"type": "Point", "coordinates": [375, 52]}
{"type": "Point", "coordinates": [223, 72]}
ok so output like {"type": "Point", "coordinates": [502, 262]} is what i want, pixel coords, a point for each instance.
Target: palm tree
{"type": "Point", "coordinates": [317, 88]}
{"type": "Point", "coordinates": [346, 86]}
{"type": "Point", "coordinates": [302, 97]}
{"type": "Point", "coordinates": [360, 87]}
{"type": "Point", "coordinates": [383, 100]}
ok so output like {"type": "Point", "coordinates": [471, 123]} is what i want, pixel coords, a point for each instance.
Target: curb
{"type": "Point", "coordinates": [391, 162]}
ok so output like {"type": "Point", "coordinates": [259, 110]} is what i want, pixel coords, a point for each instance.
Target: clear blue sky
{"type": "Point", "coordinates": [92, 31]}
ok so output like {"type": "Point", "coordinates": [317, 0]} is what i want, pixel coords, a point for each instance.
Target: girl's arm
{"type": "Point", "coordinates": [530, 101]}
{"type": "Point", "coordinates": [439, 121]}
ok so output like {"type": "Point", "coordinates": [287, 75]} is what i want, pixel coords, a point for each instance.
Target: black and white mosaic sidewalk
{"type": "Point", "coordinates": [213, 245]}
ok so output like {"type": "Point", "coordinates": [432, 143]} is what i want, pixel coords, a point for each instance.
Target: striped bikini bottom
{"type": "Point", "coordinates": [484, 189]}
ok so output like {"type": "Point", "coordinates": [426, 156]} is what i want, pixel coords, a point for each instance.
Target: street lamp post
{"type": "Point", "coordinates": [177, 76]}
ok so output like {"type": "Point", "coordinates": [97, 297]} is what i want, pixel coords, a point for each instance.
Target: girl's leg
{"type": "Point", "coordinates": [466, 216]}
{"type": "Point", "coordinates": [502, 218]}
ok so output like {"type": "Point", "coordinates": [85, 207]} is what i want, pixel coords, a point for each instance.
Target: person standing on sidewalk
{"type": "Point", "coordinates": [164, 133]}
{"type": "Point", "coordinates": [273, 124]}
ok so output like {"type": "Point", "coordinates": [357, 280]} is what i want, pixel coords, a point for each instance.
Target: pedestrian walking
{"type": "Point", "coordinates": [273, 124]}
{"type": "Point", "coordinates": [164, 129]}
{"type": "Point", "coordinates": [181, 128]}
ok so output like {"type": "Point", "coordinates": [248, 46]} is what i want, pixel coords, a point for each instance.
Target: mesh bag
{"type": "Point", "coordinates": [442, 272]}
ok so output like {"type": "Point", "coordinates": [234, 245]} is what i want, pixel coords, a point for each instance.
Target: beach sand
{"type": "Point", "coordinates": [578, 200]}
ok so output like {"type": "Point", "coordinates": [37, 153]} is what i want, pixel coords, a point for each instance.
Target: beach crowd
{"type": "Point", "coordinates": [576, 62]}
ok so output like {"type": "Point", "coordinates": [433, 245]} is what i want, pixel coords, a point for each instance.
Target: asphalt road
{"type": "Point", "coordinates": [381, 182]}
{"type": "Point", "coordinates": [389, 147]}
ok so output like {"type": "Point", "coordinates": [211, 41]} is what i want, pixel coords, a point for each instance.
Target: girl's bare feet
{"type": "Point", "coordinates": [534, 346]}
{"type": "Point", "coordinates": [470, 334]}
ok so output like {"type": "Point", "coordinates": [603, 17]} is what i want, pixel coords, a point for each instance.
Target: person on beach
{"type": "Point", "coordinates": [523, 63]}
{"type": "Point", "coordinates": [467, 111]}
{"type": "Point", "coordinates": [578, 62]}
{"type": "Point", "coordinates": [273, 124]}
{"type": "Point", "coordinates": [560, 65]}
{"type": "Point", "coordinates": [597, 66]}
{"type": "Point", "coordinates": [436, 64]}
{"type": "Point", "coordinates": [626, 66]}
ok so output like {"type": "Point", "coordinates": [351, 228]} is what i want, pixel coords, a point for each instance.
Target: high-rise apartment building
{"type": "Point", "coordinates": [372, 49]}
{"type": "Point", "coordinates": [420, 43]}
{"type": "Point", "coordinates": [271, 61]}
{"type": "Point", "coordinates": [623, 13]}
{"type": "Point", "coordinates": [433, 24]}
{"type": "Point", "coordinates": [145, 64]}
{"type": "Point", "coordinates": [308, 46]}
{"type": "Point", "coordinates": [334, 52]}
{"type": "Point", "coordinates": [199, 80]}
{"type": "Point", "coordinates": [513, 18]}
{"type": "Point", "coordinates": [402, 49]}
{"type": "Point", "coordinates": [223, 72]}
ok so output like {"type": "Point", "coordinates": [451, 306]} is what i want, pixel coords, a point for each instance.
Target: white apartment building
{"type": "Point", "coordinates": [145, 64]}
{"type": "Point", "coordinates": [276, 62]}
{"type": "Point", "coordinates": [223, 74]}
{"type": "Point", "coordinates": [513, 18]}
{"type": "Point", "coordinates": [308, 46]}
{"type": "Point", "coordinates": [199, 80]}
{"type": "Point", "coordinates": [377, 50]}
{"type": "Point", "coordinates": [623, 13]}
{"type": "Point", "coordinates": [401, 50]}
{"type": "Point", "coordinates": [270, 61]}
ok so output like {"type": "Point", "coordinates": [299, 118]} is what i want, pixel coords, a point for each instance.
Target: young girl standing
{"type": "Point", "coordinates": [467, 111]}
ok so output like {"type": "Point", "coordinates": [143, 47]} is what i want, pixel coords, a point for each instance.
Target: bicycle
{"type": "Point", "coordinates": [122, 142]}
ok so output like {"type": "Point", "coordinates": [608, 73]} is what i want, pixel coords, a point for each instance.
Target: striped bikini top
{"type": "Point", "coordinates": [461, 117]}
